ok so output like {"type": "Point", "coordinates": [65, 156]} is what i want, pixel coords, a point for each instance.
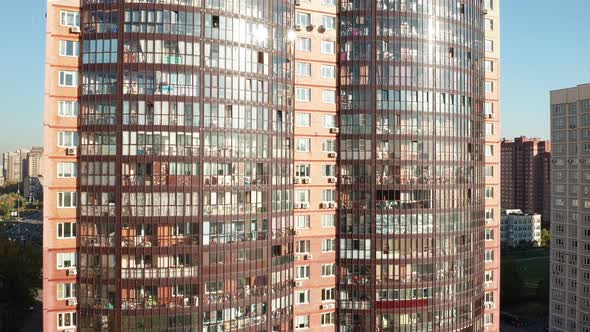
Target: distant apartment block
{"type": "Point", "coordinates": [570, 208]}
{"type": "Point", "coordinates": [526, 176]}
{"type": "Point", "coordinates": [14, 165]}
{"type": "Point", "coordinates": [520, 228]}
{"type": "Point", "coordinates": [34, 167]}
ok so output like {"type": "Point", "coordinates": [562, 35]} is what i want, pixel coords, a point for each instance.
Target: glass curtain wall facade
{"type": "Point", "coordinates": [411, 213]}
{"type": "Point", "coordinates": [185, 175]}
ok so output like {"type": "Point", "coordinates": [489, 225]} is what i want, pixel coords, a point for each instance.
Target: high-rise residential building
{"type": "Point", "coordinates": [526, 176]}
{"type": "Point", "coordinates": [34, 167]}
{"type": "Point", "coordinates": [14, 165]}
{"type": "Point", "coordinates": [182, 149]}
{"type": "Point", "coordinates": [569, 308]}
{"type": "Point", "coordinates": [271, 165]}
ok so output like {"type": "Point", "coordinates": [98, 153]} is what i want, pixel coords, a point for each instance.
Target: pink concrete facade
{"type": "Point", "coordinates": [59, 302]}
{"type": "Point", "coordinates": [493, 167]}
{"type": "Point", "coordinates": [313, 69]}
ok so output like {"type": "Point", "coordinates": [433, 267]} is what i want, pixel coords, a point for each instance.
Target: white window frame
{"type": "Point", "coordinates": [67, 170]}
{"type": "Point", "coordinates": [63, 48]}
{"type": "Point", "coordinates": [73, 230]}
{"type": "Point", "coordinates": [61, 257]}
{"type": "Point", "coordinates": [61, 199]}
{"type": "Point", "coordinates": [61, 137]}
{"type": "Point", "coordinates": [61, 289]}
{"type": "Point", "coordinates": [328, 71]}
{"type": "Point", "coordinates": [63, 18]}
{"type": "Point", "coordinates": [62, 78]}
{"type": "Point", "coordinates": [328, 47]}
{"type": "Point", "coordinates": [72, 317]}
{"type": "Point", "coordinates": [67, 108]}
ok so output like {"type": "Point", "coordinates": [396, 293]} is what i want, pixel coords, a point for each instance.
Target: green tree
{"type": "Point", "coordinates": [20, 267]}
{"type": "Point", "coordinates": [545, 237]}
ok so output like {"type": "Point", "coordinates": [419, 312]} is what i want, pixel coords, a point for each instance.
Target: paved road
{"type": "Point", "coordinates": [533, 327]}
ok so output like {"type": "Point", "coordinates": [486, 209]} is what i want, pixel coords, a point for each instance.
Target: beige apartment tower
{"type": "Point", "coordinates": [569, 306]}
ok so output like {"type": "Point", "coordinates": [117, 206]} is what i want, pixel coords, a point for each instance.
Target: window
{"type": "Point", "coordinates": [303, 145]}
{"type": "Point", "coordinates": [329, 2]}
{"type": "Point", "coordinates": [328, 170]}
{"type": "Point", "coordinates": [303, 44]}
{"type": "Point", "coordinates": [69, 19]}
{"type": "Point", "coordinates": [67, 139]}
{"type": "Point", "coordinates": [329, 195]}
{"type": "Point", "coordinates": [328, 318]}
{"type": "Point", "coordinates": [489, 86]}
{"type": "Point", "coordinates": [66, 320]}
{"type": "Point", "coordinates": [489, 127]}
{"type": "Point", "coordinates": [489, 256]}
{"type": "Point", "coordinates": [488, 319]}
{"type": "Point", "coordinates": [66, 291]}
{"type": "Point", "coordinates": [489, 24]}
{"type": "Point", "coordinates": [303, 94]}
{"type": "Point", "coordinates": [489, 4]}
{"type": "Point", "coordinates": [302, 297]}
{"type": "Point", "coordinates": [489, 214]}
{"type": "Point", "coordinates": [302, 170]}
{"type": "Point", "coordinates": [489, 150]}
{"type": "Point", "coordinates": [328, 47]}
{"type": "Point", "coordinates": [489, 45]}
{"type": "Point", "coordinates": [328, 245]}
{"type": "Point", "coordinates": [489, 66]}
{"type": "Point", "coordinates": [69, 48]}
{"type": "Point", "coordinates": [329, 22]}
{"type": "Point", "coordinates": [66, 230]}
{"type": "Point", "coordinates": [302, 247]}
{"type": "Point", "coordinates": [488, 109]}
{"type": "Point", "coordinates": [302, 272]}
{"type": "Point", "coordinates": [329, 121]}
{"type": "Point", "coordinates": [327, 294]}
{"type": "Point", "coordinates": [303, 69]}
{"type": "Point", "coordinates": [489, 234]}
{"type": "Point", "coordinates": [67, 108]}
{"type": "Point", "coordinates": [302, 322]}
{"type": "Point", "coordinates": [329, 96]}
{"type": "Point", "coordinates": [302, 221]}
{"type": "Point", "coordinates": [66, 199]}
{"type": "Point", "coordinates": [67, 170]}
{"type": "Point", "coordinates": [328, 220]}
{"type": "Point", "coordinates": [302, 119]}
{"type": "Point", "coordinates": [489, 192]}
{"type": "Point", "coordinates": [303, 19]}
{"type": "Point", "coordinates": [66, 260]}
{"type": "Point", "coordinates": [302, 196]}
{"type": "Point", "coordinates": [489, 297]}
{"type": "Point", "coordinates": [328, 145]}
{"type": "Point", "coordinates": [328, 270]}
{"type": "Point", "coordinates": [68, 78]}
{"type": "Point", "coordinates": [328, 72]}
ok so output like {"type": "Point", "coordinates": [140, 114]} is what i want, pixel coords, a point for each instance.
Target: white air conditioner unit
{"type": "Point", "coordinates": [298, 284]}
{"type": "Point", "coordinates": [75, 29]}
{"type": "Point", "coordinates": [327, 306]}
{"type": "Point", "coordinates": [334, 130]}
{"type": "Point", "coordinates": [297, 180]}
{"type": "Point", "coordinates": [72, 271]}
{"type": "Point", "coordinates": [332, 154]}
{"type": "Point", "coordinates": [72, 302]}
{"type": "Point", "coordinates": [297, 232]}
{"type": "Point", "coordinates": [71, 151]}
{"type": "Point", "coordinates": [332, 179]}
{"type": "Point", "coordinates": [490, 116]}
{"type": "Point", "coordinates": [332, 205]}
{"type": "Point", "coordinates": [298, 205]}
{"type": "Point", "coordinates": [297, 27]}
{"type": "Point", "coordinates": [306, 180]}
{"type": "Point", "coordinates": [490, 305]}
{"type": "Point", "coordinates": [307, 257]}
{"type": "Point", "coordinates": [324, 205]}
{"type": "Point", "coordinates": [487, 284]}
{"type": "Point", "coordinates": [305, 205]}
{"type": "Point", "coordinates": [297, 258]}
{"type": "Point", "coordinates": [297, 2]}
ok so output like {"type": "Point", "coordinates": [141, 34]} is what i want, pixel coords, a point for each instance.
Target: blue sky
{"type": "Point", "coordinates": [544, 46]}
